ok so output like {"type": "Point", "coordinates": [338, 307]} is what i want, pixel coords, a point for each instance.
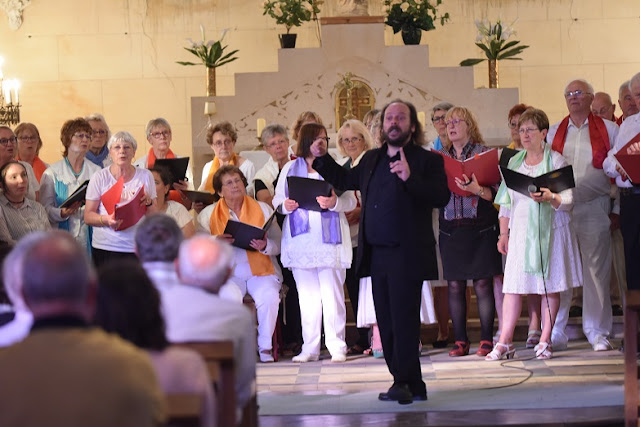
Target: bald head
{"type": "Point", "coordinates": [204, 262]}
{"type": "Point", "coordinates": [602, 106]}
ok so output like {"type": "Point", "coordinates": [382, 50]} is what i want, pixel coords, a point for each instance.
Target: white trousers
{"type": "Point", "coordinates": [265, 291]}
{"type": "Point", "coordinates": [591, 220]}
{"type": "Point", "coordinates": [321, 294]}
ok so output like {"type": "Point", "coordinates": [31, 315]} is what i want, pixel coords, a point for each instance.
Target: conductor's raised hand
{"type": "Point", "coordinates": [290, 205]}
{"type": "Point", "coordinates": [401, 167]}
{"type": "Point", "coordinates": [319, 147]}
{"type": "Point", "coordinates": [328, 202]}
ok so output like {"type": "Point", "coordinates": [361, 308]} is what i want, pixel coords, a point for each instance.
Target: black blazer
{"type": "Point", "coordinates": [425, 190]}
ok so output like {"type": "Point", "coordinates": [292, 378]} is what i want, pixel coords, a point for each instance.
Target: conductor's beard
{"type": "Point", "coordinates": [399, 138]}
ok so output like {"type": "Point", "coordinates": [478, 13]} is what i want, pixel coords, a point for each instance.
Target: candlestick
{"type": "Point", "coordinates": [260, 126]}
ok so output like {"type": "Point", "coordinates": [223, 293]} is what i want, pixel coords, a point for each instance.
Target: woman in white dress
{"type": "Point", "coordinates": [163, 179]}
{"type": "Point", "coordinates": [537, 237]}
{"type": "Point", "coordinates": [317, 248]}
{"type": "Point", "coordinates": [62, 178]}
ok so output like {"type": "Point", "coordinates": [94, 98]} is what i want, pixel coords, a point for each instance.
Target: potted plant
{"type": "Point", "coordinates": [412, 17]}
{"type": "Point", "coordinates": [291, 13]}
{"type": "Point", "coordinates": [492, 39]}
{"type": "Point", "coordinates": [211, 54]}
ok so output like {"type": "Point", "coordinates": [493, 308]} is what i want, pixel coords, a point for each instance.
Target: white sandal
{"type": "Point", "coordinates": [508, 352]}
{"type": "Point", "coordinates": [543, 351]}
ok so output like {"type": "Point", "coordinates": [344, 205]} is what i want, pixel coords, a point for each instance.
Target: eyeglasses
{"type": "Point", "coordinates": [436, 119]}
{"type": "Point", "coordinates": [226, 143]}
{"type": "Point", "coordinates": [27, 138]}
{"type": "Point", "coordinates": [513, 125]}
{"type": "Point", "coordinates": [326, 138]}
{"type": "Point", "coordinates": [276, 143]}
{"type": "Point", "coordinates": [82, 135]}
{"type": "Point", "coordinates": [158, 135]}
{"type": "Point", "coordinates": [350, 141]}
{"type": "Point", "coordinates": [527, 131]}
{"type": "Point", "coordinates": [100, 132]}
{"type": "Point", "coordinates": [576, 93]}
{"type": "Point", "coordinates": [602, 111]}
{"type": "Point", "coordinates": [6, 141]}
{"type": "Point", "coordinates": [454, 122]}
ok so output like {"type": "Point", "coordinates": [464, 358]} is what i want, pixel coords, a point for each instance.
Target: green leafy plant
{"type": "Point", "coordinates": [410, 15]}
{"type": "Point", "coordinates": [492, 39]}
{"type": "Point", "coordinates": [291, 13]}
{"type": "Point", "coordinates": [211, 53]}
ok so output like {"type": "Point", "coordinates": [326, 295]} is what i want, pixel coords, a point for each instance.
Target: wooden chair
{"type": "Point", "coordinates": [184, 409]}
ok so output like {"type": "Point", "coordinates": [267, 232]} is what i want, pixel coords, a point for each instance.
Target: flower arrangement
{"type": "Point", "coordinates": [492, 39]}
{"type": "Point", "coordinates": [211, 53]}
{"type": "Point", "coordinates": [291, 13]}
{"type": "Point", "coordinates": [410, 15]}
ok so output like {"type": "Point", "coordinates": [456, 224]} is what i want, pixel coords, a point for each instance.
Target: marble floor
{"type": "Point", "coordinates": [577, 387]}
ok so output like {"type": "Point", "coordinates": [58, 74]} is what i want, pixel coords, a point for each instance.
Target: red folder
{"type": "Point", "coordinates": [483, 165]}
{"type": "Point", "coordinates": [131, 211]}
{"type": "Point", "coordinates": [112, 196]}
{"type": "Point", "coordinates": [630, 163]}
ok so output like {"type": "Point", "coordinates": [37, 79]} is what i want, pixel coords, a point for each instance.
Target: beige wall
{"type": "Point", "coordinates": [118, 56]}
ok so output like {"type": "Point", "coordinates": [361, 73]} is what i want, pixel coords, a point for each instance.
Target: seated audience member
{"type": "Point", "coordinates": [437, 118]}
{"type": "Point", "coordinates": [66, 373]}
{"type": "Point", "coordinates": [276, 144]}
{"type": "Point", "coordinates": [204, 265]}
{"type": "Point", "coordinates": [128, 305]}
{"type": "Point", "coordinates": [19, 214]}
{"type": "Point", "coordinates": [222, 139]}
{"type": "Point", "coordinates": [29, 145]}
{"type": "Point", "coordinates": [8, 149]}
{"type": "Point", "coordinates": [98, 151]}
{"type": "Point", "coordinates": [162, 178]}
{"type": "Point", "coordinates": [64, 177]}
{"type": "Point", "coordinates": [255, 272]}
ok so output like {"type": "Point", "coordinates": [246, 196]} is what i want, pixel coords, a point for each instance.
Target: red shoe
{"type": "Point", "coordinates": [484, 348]}
{"type": "Point", "coordinates": [460, 348]}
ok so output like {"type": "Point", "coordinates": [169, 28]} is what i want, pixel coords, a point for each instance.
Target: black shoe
{"type": "Point", "coordinates": [575, 311]}
{"type": "Point", "coordinates": [616, 310]}
{"type": "Point", "coordinates": [440, 343]}
{"type": "Point", "coordinates": [400, 393]}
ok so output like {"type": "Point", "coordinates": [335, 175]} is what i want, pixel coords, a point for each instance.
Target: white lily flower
{"type": "Point", "coordinates": [223, 32]}
{"type": "Point", "coordinates": [202, 31]}
{"type": "Point", "coordinates": [192, 43]}
{"type": "Point", "coordinates": [404, 6]}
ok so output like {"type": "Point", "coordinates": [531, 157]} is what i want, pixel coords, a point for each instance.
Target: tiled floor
{"type": "Point", "coordinates": [589, 383]}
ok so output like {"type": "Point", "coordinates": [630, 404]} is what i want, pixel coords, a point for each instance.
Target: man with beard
{"type": "Point", "coordinates": [400, 184]}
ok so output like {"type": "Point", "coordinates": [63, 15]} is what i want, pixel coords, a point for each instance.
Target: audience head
{"type": "Point", "coordinates": [578, 94]}
{"type": "Point", "coordinates": [8, 144]}
{"type": "Point", "coordinates": [369, 116]}
{"type": "Point", "coordinates": [14, 180]}
{"type": "Point", "coordinates": [634, 87]}
{"type": "Point", "coordinates": [158, 238]}
{"type": "Point", "coordinates": [462, 127]}
{"type": "Point", "coordinates": [276, 142]}
{"type": "Point", "coordinates": [100, 130]}
{"type": "Point", "coordinates": [400, 124]}
{"type": "Point", "coordinates": [29, 141]}
{"type": "Point", "coordinates": [159, 135]}
{"type": "Point", "coordinates": [304, 118]}
{"type": "Point", "coordinates": [204, 262]}
{"type": "Point", "coordinates": [129, 305]}
{"type": "Point", "coordinates": [222, 138]}
{"type": "Point", "coordinates": [309, 134]}
{"type": "Point", "coordinates": [59, 280]}
{"type": "Point", "coordinates": [122, 146]}
{"type": "Point", "coordinates": [76, 131]}
{"type": "Point", "coordinates": [437, 118]}
{"type": "Point", "coordinates": [513, 117]}
{"type": "Point", "coordinates": [353, 138]}
{"type": "Point", "coordinates": [602, 106]}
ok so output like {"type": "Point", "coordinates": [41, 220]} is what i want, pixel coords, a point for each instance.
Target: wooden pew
{"type": "Point", "coordinates": [184, 409]}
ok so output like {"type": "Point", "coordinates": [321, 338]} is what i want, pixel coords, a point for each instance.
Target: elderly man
{"type": "Point", "coordinates": [66, 373]}
{"type": "Point", "coordinates": [603, 107]}
{"type": "Point", "coordinates": [585, 139]}
{"type": "Point", "coordinates": [629, 192]}
{"type": "Point", "coordinates": [401, 184]}
{"type": "Point", "coordinates": [626, 102]}
{"type": "Point", "coordinates": [195, 312]}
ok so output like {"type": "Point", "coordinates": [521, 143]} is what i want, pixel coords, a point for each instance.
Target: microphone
{"type": "Point", "coordinates": [532, 188]}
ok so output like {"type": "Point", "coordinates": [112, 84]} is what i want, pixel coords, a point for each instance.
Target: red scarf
{"type": "Point", "coordinates": [620, 119]}
{"type": "Point", "coordinates": [597, 134]}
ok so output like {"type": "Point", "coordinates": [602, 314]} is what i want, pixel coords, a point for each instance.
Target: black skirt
{"type": "Point", "coordinates": [469, 251]}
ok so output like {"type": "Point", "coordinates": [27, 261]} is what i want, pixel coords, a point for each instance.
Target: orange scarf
{"type": "Point", "coordinates": [597, 134]}
{"type": "Point", "coordinates": [38, 167]}
{"type": "Point", "coordinates": [250, 213]}
{"type": "Point", "coordinates": [208, 185]}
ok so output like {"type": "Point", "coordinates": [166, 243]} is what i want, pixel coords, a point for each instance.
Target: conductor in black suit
{"type": "Point", "coordinates": [400, 184]}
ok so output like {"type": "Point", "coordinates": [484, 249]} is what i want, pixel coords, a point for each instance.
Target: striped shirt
{"type": "Point", "coordinates": [22, 220]}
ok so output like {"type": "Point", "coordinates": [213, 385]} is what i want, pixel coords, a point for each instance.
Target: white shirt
{"type": "Point", "coordinates": [178, 212]}
{"type": "Point", "coordinates": [247, 168]}
{"type": "Point", "coordinates": [629, 128]}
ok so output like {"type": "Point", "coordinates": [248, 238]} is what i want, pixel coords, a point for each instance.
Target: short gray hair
{"type": "Point", "coordinates": [158, 238]}
{"type": "Point", "coordinates": [204, 262]}
{"type": "Point", "coordinates": [123, 136]}
{"type": "Point", "coordinates": [97, 117]}
{"type": "Point", "coordinates": [13, 268]}
{"type": "Point", "coordinates": [155, 123]}
{"type": "Point", "coordinates": [441, 106]}
{"type": "Point", "coordinates": [271, 130]}
{"type": "Point", "coordinates": [58, 270]}
{"type": "Point", "coordinates": [634, 79]}
{"type": "Point", "coordinates": [624, 86]}
{"type": "Point", "coordinates": [583, 81]}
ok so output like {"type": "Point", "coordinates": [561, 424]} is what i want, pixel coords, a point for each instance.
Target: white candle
{"type": "Point", "coordinates": [6, 91]}
{"type": "Point", "coordinates": [210, 108]}
{"type": "Point", "coordinates": [260, 126]}
{"type": "Point", "coordinates": [16, 87]}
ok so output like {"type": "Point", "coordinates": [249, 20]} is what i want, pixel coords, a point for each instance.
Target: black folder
{"type": "Point", "coordinates": [556, 181]}
{"type": "Point", "coordinates": [507, 154]}
{"type": "Point", "coordinates": [77, 196]}
{"type": "Point", "coordinates": [200, 196]}
{"type": "Point", "coordinates": [177, 167]}
{"type": "Point", "coordinates": [243, 233]}
{"type": "Point", "coordinates": [305, 190]}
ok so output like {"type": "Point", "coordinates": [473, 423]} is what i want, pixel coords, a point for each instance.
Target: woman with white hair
{"type": "Point", "coordinates": [109, 242]}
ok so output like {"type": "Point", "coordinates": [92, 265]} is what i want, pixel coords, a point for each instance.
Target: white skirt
{"type": "Point", "coordinates": [366, 315]}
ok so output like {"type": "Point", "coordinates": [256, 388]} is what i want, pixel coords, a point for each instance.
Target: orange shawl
{"type": "Point", "coordinates": [208, 185]}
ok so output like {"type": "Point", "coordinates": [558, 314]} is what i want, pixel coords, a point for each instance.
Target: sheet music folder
{"type": "Point", "coordinates": [556, 181]}
{"type": "Point", "coordinates": [177, 167]}
{"type": "Point", "coordinates": [77, 196]}
{"type": "Point", "coordinates": [305, 190]}
{"type": "Point", "coordinates": [244, 233]}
